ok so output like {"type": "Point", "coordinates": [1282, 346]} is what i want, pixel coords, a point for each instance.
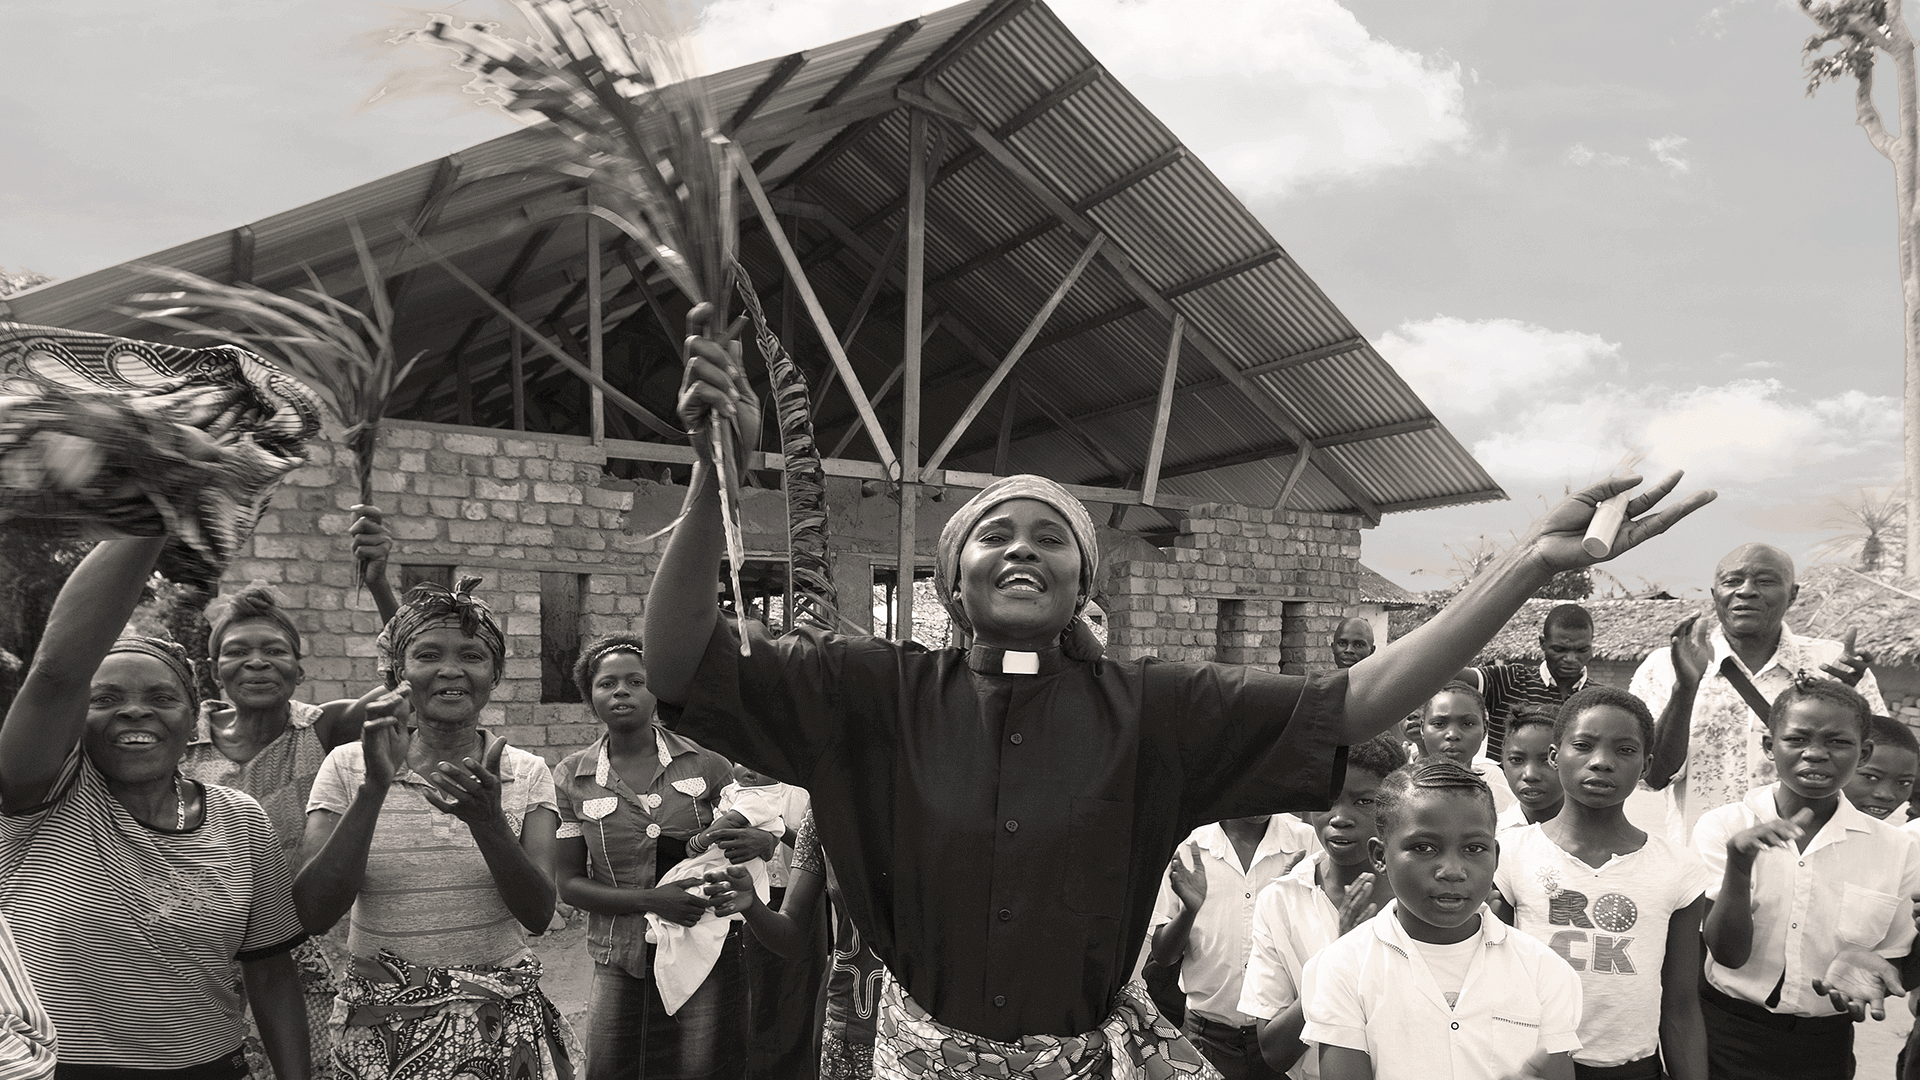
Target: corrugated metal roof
{"type": "Point", "coordinates": [835, 147]}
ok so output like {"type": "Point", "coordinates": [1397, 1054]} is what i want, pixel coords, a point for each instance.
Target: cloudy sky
{"type": "Point", "coordinates": [1575, 228]}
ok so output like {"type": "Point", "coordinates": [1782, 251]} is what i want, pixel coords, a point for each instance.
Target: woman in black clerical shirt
{"type": "Point", "coordinates": [999, 816]}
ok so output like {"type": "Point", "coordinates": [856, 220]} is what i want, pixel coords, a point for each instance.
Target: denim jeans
{"type": "Point", "coordinates": [631, 1037]}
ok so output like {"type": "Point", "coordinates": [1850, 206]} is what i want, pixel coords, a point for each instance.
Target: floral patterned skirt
{"type": "Point", "coordinates": [1133, 1043]}
{"type": "Point", "coordinates": [396, 1020]}
{"type": "Point", "coordinates": [318, 986]}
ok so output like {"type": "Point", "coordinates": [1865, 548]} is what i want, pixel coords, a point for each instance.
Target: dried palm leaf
{"type": "Point", "coordinates": [345, 355]}
{"type": "Point", "coordinates": [616, 83]}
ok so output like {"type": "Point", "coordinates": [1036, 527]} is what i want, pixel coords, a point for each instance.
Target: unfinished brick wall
{"type": "Point", "coordinates": [1246, 586]}
{"type": "Point", "coordinates": [1243, 586]}
{"type": "Point", "coordinates": [506, 508]}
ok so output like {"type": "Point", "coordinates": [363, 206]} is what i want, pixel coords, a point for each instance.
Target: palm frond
{"type": "Point", "coordinates": [344, 354]}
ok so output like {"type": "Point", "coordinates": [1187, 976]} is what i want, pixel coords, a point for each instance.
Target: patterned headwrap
{"type": "Point", "coordinates": [429, 607]}
{"type": "Point", "coordinates": [255, 603]}
{"type": "Point", "coordinates": [168, 652]}
{"type": "Point", "coordinates": [1006, 489]}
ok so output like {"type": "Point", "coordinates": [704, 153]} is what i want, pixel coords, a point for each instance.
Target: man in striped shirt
{"type": "Point", "coordinates": [1566, 640]}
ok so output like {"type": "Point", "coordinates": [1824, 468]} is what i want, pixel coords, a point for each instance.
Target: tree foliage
{"type": "Point", "coordinates": [13, 281]}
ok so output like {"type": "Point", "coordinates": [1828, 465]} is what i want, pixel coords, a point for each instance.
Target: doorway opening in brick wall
{"type": "Point", "coordinates": [562, 600]}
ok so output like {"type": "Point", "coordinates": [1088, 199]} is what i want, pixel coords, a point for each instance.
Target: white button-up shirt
{"type": "Point", "coordinates": [1217, 946]}
{"type": "Point", "coordinates": [1292, 921]}
{"type": "Point", "coordinates": [1854, 885]}
{"type": "Point", "coordinates": [1724, 758]}
{"type": "Point", "coordinates": [1372, 991]}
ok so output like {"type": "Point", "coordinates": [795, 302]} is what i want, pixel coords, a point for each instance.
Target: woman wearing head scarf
{"type": "Point", "coordinates": [261, 741]}
{"type": "Point", "coordinates": [628, 805]}
{"type": "Point", "coordinates": [133, 889]}
{"type": "Point", "coordinates": [439, 837]}
{"type": "Point", "coordinates": [999, 817]}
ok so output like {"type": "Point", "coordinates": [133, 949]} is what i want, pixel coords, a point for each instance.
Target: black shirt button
{"type": "Point", "coordinates": [1015, 738]}
{"type": "Point", "coordinates": [1012, 825]}
{"type": "Point", "coordinates": [1005, 914]}
{"type": "Point", "coordinates": [1000, 1001]}
{"type": "Point", "coordinates": [1456, 1025]}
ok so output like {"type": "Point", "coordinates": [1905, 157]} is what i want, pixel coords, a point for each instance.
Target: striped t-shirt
{"type": "Point", "coordinates": [130, 932]}
{"type": "Point", "coordinates": [427, 895]}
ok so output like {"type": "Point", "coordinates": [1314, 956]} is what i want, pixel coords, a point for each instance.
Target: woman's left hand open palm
{"type": "Point", "coordinates": [469, 790]}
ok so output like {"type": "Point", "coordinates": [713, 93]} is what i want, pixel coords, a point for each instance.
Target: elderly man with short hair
{"type": "Point", "coordinates": [1566, 639]}
{"type": "Point", "coordinates": [1352, 642]}
{"type": "Point", "coordinates": [1706, 746]}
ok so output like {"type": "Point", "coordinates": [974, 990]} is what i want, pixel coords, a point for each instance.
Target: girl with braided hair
{"type": "Point", "coordinates": [132, 888]}
{"type": "Point", "coordinates": [439, 838]}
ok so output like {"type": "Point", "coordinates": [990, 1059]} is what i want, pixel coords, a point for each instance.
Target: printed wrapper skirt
{"type": "Point", "coordinates": [396, 1020]}
{"type": "Point", "coordinates": [1133, 1043]}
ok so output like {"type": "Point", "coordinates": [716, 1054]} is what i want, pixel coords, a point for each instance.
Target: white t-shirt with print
{"type": "Point", "coordinates": [1608, 924]}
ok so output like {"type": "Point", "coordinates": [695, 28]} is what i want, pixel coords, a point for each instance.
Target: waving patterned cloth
{"type": "Point", "coordinates": [109, 436]}
{"type": "Point", "coordinates": [1133, 1043]}
{"type": "Point", "coordinates": [403, 1021]}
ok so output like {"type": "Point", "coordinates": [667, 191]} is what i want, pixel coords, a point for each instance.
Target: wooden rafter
{"type": "Point", "coordinates": [1041, 190]}
{"type": "Point", "coordinates": [1163, 412]}
{"type": "Point", "coordinates": [782, 73]}
{"type": "Point", "coordinates": [869, 63]}
{"type": "Point", "coordinates": [1293, 478]}
{"type": "Point", "coordinates": [985, 393]}
{"type": "Point", "coordinates": [812, 303]}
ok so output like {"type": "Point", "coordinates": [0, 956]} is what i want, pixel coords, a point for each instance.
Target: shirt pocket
{"type": "Point", "coordinates": [595, 809]}
{"type": "Point", "coordinates": [1514, 1030]}
{"type": "Point", "coordinates": [1866, 915]}
{"type": "Point", "coordinates": [1099, 845]}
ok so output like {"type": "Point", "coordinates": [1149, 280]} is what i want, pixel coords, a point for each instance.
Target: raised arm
{"type": "Point", "coordinates": [334, 850]}
{"type": "Point", "coordinates": [1384, 687]}
{"type": "Point", "coordinates": [372, 544]}
{"type": "Point", "coordinates": [49, 715]}
{"type": "Point", "coordinates": [1691, 651]}
{"type": "Point", "coordinates": [681, 606]}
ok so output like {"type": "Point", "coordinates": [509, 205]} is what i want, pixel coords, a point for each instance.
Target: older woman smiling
{"type": "Point", "coordinates": [440, 839]}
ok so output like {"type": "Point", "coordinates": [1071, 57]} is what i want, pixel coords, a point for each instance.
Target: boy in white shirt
{"type": "Point", "coordinates": [1317, 902]}
{"type": "Point", "coordinates": [1202, 920]}
{"type": "Point", "coordinates": [1453, 727]}
{"type": "Point", "coordinates": [1435, 986]}
{"type": "Point", "coordinates": [1622, 907]}
{"type": "Point", "coordinates": [1813, 898]}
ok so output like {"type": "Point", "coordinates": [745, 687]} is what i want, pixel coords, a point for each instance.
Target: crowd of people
{"type": "Point", "coordinates": [1015, 857]}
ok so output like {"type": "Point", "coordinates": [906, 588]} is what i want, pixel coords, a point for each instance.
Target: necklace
{"type": "Point", "coordinates": [180, 804]}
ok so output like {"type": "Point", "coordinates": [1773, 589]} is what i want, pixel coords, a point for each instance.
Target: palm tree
{"type": "Point", "coordinates": [1871, 529]}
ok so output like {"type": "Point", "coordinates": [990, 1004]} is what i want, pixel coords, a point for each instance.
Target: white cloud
{"type": "Point", "coordinates": [1543, 407]}
{"type": "Point", "coordinates": [1473, 369]}
{"type": "Point", "coordinates": [1580, 154]}
{"type": "Point", "coordinates": [1333, 100]}
{"type": "Point", "coordinates": [1666, 150]}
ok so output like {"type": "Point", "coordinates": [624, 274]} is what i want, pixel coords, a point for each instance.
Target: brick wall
{"type": "Point", "coordinates": [505, 508]}
{"type": "Point", "coordinates": [1244, 586]}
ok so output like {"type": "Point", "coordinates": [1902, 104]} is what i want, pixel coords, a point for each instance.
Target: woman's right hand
{"type": "Point", "coordinates": [372, 544]}
{"type": "Point", "coordinates": [674, 903]}
{"type": "Point", "coordinates": [384, 737]}
{"type": "Point", "coordinates": [715, 384]}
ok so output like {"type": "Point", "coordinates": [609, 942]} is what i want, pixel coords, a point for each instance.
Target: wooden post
{"type": "Point", "coordinates": [910, 377]}
{"type": "Point", "coordinates": [596, 327]}
{"type": "Point", "coordinates": [1293, 477]}
{"type": "Point", "coordinates": [1150, 483]}
{"type": "Point", "coordinates": [517, 373]}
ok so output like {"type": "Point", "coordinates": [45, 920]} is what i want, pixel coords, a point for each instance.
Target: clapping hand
{"type": "Point", "coordinates": [1852, 665]}
{"type": "Point", "coordinates": [1189, 884]}
{"type": "Point", "coordinates": [384, 736]}
{"type": "Point", "coordinates": [730, 891]}
{"type": "Point", "coordinates": [1859, 982]}
{"type": "Point", "coordinates": [1691, 647]}
{"type": "Point", "coordinates": [468, 789]}
{"type": "Point", "coordinates": [1357, 906]}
